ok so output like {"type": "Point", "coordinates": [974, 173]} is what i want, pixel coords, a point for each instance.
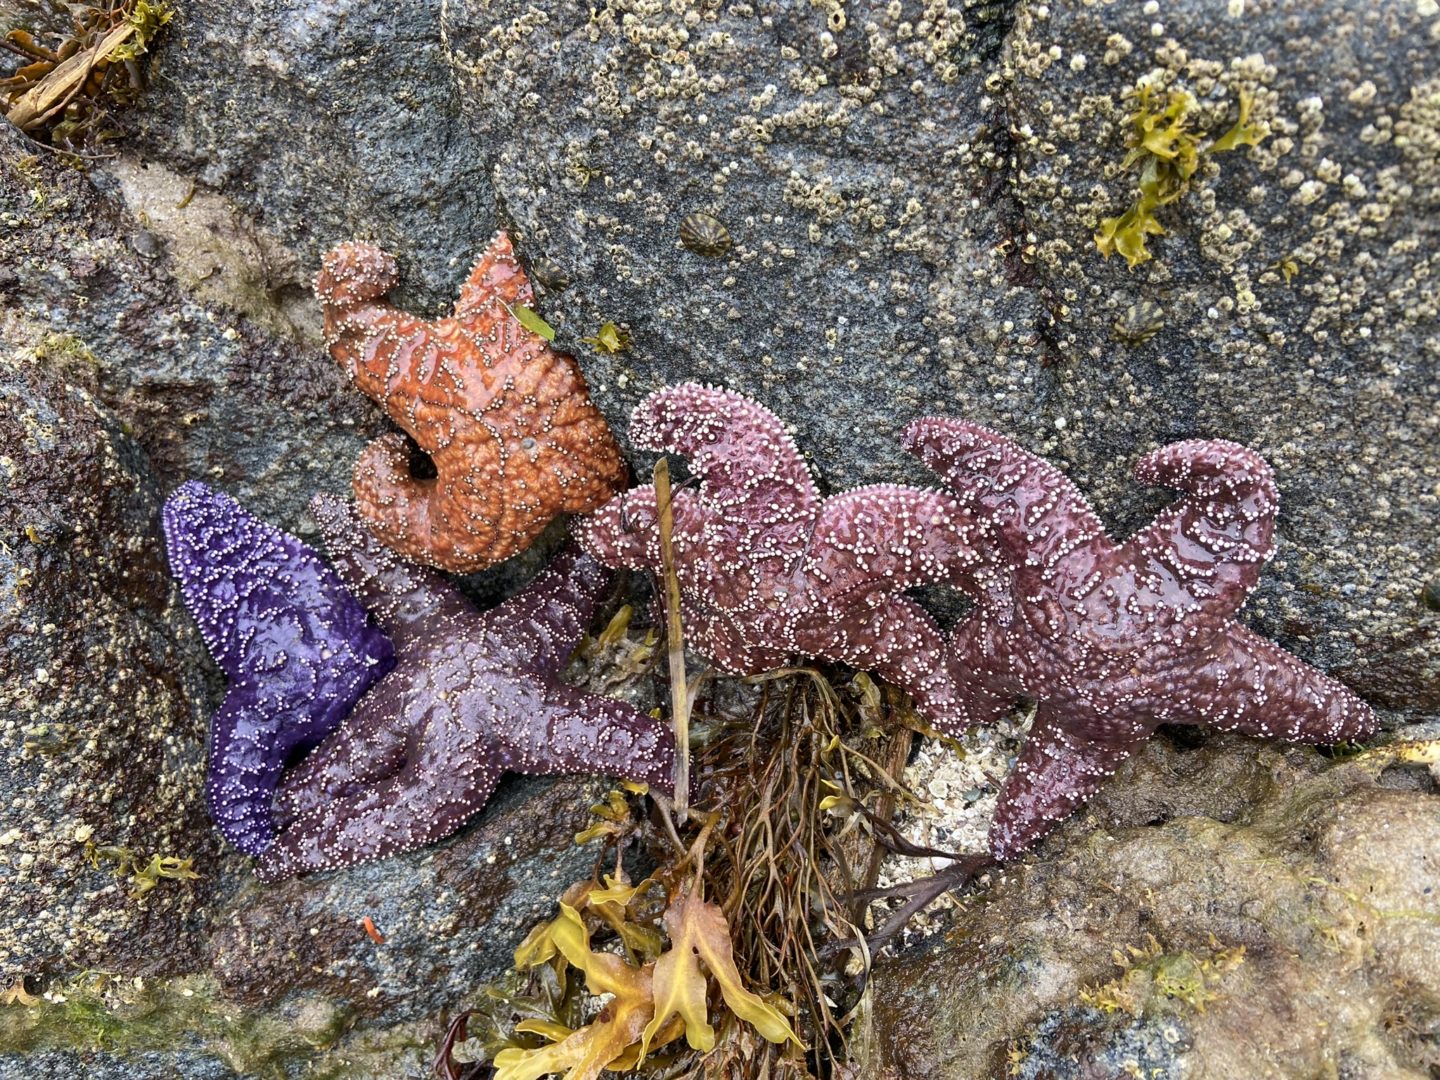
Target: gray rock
{"type": "Point", "coordinates": [154, 1065]}
{"type": "Point", "coordinates": [912, 199]}
{"type": "Point", "coordinates": [204, 391]}
{"type": "Point", "coordinates": [911, 193]}
{"type": "Point", "coordinates": [325, 122]}
{"type": "Point", "coordinates": [1193, 940]}
{"type": "Point", "coordinates": [451, 915]}
{"type": "Point", "coordinates": [100, 696]}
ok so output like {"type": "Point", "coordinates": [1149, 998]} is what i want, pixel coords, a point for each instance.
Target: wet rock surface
{"type": "Point", "coordinates": [205, 392]}
{"type": "Point", "coordinates": [100, 695]}
{"type": "Point", "coordinates": [451, 916]}
{"type": "Point", "coordinates": [912, 196]}
{"type": "Point", "coordinates": [1268, 935]}
{"type": "Point", "coordinates": [325, 122]}
{"type": "Point", "coordinates": [911, 193]}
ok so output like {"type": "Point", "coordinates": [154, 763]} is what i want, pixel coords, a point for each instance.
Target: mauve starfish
{"type": "Point", "coordinates": [473, 695]}
{"type": "Point", "coordinates": [504, 417]}
{"type": "Point", "coordinates": [296, 647]}
{"type": "Point", "coordinates": [769, 570]}
{"type": "Point", "coordinates": [1113, 639]}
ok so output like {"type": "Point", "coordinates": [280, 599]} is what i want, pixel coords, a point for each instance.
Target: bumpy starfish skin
{"type": "Point", "coordinates": [505, 418]}
{"type": "Point", "coordinates": [473, 695]}
{"type": "Point", "coordinates": [1113, 639]}
{"type": "Point", "coordinates": [297, 648]}
{"type": "Point", "coordinates": [769, 570]}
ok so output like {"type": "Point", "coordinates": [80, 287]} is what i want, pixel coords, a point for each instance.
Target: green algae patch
{"type": "Point", "coordinates": [97, 1011]}
{"type": "Point", "coordinates": [1167, 154]}
{"type": "Point", "coordinates": [1152, 979]}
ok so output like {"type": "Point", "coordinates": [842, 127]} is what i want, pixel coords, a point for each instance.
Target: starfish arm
{"type": "Point", "coordinates": [571, 731]}
{"type": "Point", "coordinates": [751, 469]}
{"type": "Point", "coordinates": [539, 627]}
{"type": "Point", "coordinates": [403, 597]}
{"type": "Point", "coordinates": [1247, 684]}
{"type": "Point", "coordinates": [1039, 516]}
{"type": "Point", "coordinates": [377, 344]}
{"type": "Point", "coordinates": [625, 532]}
{"type": "Point", "coordinates": [980, 662]}
{"type": "Point", "coordinates": [354, 273]}
{"type": "Point", "coordinates": [622, 534]}
{"type": "Point", "coordinates": [259, 595]}
{"type": "Point", "coordinates": [1214, 541]}
{"type": "Point", "coordinates": [415, 807]}
{"type": "Point", "coordinates": [243, 771]}
{"type": "Point", "coordinates": [496, 278]}
{"type": "Point", "coordinates": [1058, 769]}
{"type": "Point", "coordinates": [898, 640]}
{"type": "Point", "coordinates": [884, 539]}
{"type": "Point", "coordinates": [369, 746]}
{"type": "Point", "coordinates": [412, 514]}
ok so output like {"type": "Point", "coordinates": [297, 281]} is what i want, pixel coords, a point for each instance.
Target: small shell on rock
{"type": "Point", "coordinates": [705, 235]}
{"type": "Point", "coordinates": [1430, 595]}
{"type": "Point", "coordinates": [550, 274]}
{"type": "Point", "coordinates": [1139, 322]}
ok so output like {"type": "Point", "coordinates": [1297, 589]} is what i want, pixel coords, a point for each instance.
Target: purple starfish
{"type": "Point", "coordinates": [1113, 639]}
{"type": "Point", "coordinates": [769, 570]}
{"type": "Point", "coordinates": [472, 696]}
{"type": "Point", "coordinates": [296, 647]}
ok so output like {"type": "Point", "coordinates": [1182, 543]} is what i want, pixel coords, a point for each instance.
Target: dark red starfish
{"type": "Point", "coordinates": [473, 695]}
{"type": "Point", "coordinates": [1113, 639]}
{"type": "Point", "coordinates": [769, 570]}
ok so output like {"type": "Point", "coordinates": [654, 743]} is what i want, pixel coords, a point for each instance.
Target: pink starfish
{"type": "Point", "coordinates": [1113, 639]}
{"type": "Point", "coordinates": [769, 570]}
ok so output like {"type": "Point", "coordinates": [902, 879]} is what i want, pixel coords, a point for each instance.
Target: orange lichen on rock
{"type": "Point", "coordinates": [506, 419]}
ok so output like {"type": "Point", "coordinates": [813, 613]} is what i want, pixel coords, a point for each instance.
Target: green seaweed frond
{"type": "Point", "coordinates": [1167, 154]}
{"type": "Point", "coordinates": [144, 874]}
{"type": "Point", "coordinates": [147, 18]}
{"type": "Point", "coordinates": [609, 339]}
{"type": "Point", "coordinates": [1153, 979]}
{"type": "Point", "coordinates": [162, 866]}
{"type": "Point", "coordinates": [1242, 134]}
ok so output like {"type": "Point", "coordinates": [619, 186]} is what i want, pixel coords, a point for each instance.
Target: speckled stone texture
{"type": "Point", "coordinates": [912, 194]}
{"type": "Point", "coordinates": [1322, 871]}
{"type": "Point", "coordinates": [911, 191]}
{"type": "Point", "coordinates": [100, 721]}
{"type": "Point", "coordinates": [325, 121]}
{"type": "Point", "coordinates": [203, 389]}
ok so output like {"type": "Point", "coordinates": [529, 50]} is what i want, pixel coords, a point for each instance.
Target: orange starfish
{"type": "Point", "coordinates": [505, 418]}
